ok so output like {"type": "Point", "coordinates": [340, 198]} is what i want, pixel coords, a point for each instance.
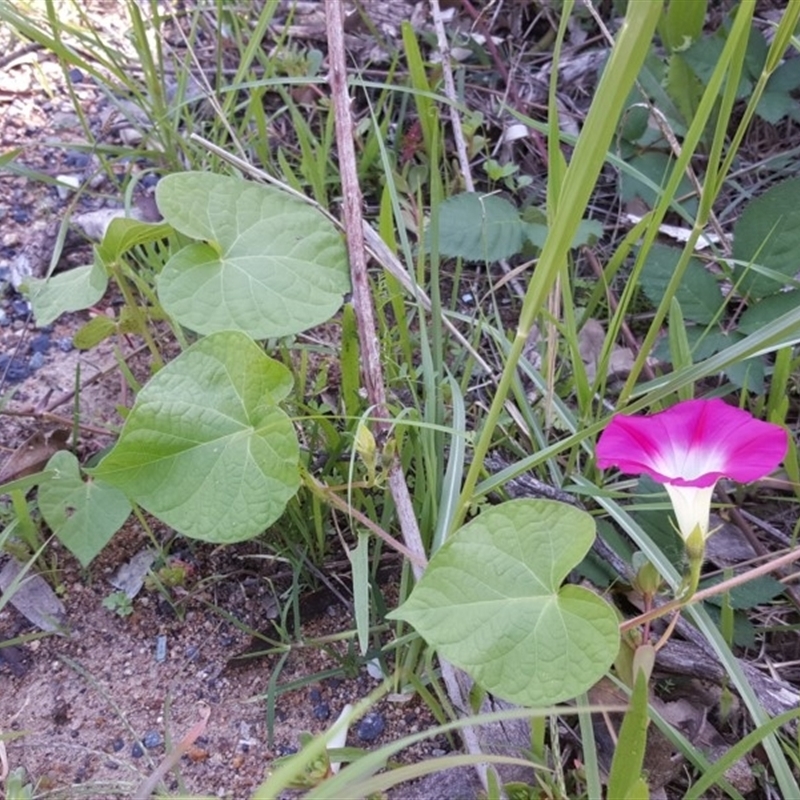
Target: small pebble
{"type": "Point", "coordinates": [192, 652]}
{"type": "Point", "coordinates": [136, 750]}
{"type": "Point", "coordinates": [20, 307]}
{"type": "Point", "coordinates": [66, 184]}
{"type": "Point", "coordinates": [74, 158]}
{"type": "Point", "coordinates": [64, 344]}
{"type": "Point", "coordinates": [152, 739]}
{"type": "Point", "coordinates": [4, 319]}
{"type": "Point", "coordinates": [40, 343]}
{"type": "Point", "coordinates": [36, 361]}
{"type": "Point", "coordinates": [370, 727]}
{"type": "Point", "coordinates": [322, 711]}
{"type": "Point", "coordinates": [161, 649]}
{"type": "Point", "coordinates": [314, 695]}
{"type": "Point", "coordinates": [14, 369]}
{"type": "Point", "coordinates": [165, 608]}
{"type": "Point", "coordinates": [117, 744]}
{"type": "Point", "coordinates": [21, 216]}
{"type": "Point", "coordinates": [75, 75]}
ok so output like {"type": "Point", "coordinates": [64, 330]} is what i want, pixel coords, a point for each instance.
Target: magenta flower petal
{"type": "Point", "coordinates": [694, 443]}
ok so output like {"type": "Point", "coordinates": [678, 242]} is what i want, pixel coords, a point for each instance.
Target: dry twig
{"type": "Point", "coordinates": [450, 92]}
{"type": "Point", "coordinates": [362, 300]}
{"type": "Point", "coordinates": [362, 304]}
{"type": "Point", "coordinates": [149, 785]}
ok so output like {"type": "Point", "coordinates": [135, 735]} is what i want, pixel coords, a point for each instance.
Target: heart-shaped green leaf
{"type": "Point", "coordinates": [491, 602]}
{"type": "Point", "coordinates": [266, 264]}
{"type": "Point", "coordinates": [84, 515]}
{"type": "Point", "coordinates": [767, 234]}
{"type": "Point", "coordinates": [478, 227]}
{"type": "Point", "coordinates": [205, 448]}
{"type": "Point", "coordinates": [72, 290]}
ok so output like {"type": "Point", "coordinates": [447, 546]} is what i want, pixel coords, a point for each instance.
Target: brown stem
{"type": "Point", "coordinates": [753, 540]}
{"type": "Point", "coordinates": [499, 62]}
{"type": "Point", "coordinates": [717, 588]}
{"type": "Point", "coordinates": [497, 56]}
{"type": "Point", "coordinates": [55, 419]}
{"type": "Point", "coordinates": [330, 497]}
{"type": "Point", "coordinates": [371, 371]}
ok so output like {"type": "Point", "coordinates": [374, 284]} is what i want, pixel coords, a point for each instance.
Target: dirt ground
{"type": "Point", "coordinates": [97, 709]}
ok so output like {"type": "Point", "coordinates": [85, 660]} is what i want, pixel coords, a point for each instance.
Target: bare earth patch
{"type": "Point", "coordinates": [98, 709]}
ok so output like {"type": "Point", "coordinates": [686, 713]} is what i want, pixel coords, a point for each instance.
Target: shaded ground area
{"type": "Point", "coordinates": [96, 710]}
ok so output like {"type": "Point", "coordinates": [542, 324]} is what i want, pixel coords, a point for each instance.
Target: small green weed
{"type": "Point", "coordinates": [119, 603]}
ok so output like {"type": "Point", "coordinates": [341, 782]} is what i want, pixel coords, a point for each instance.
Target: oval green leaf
{"type": "Point", "coordinates": [266, 263]}
{"type": "Point", "coordinates": [699, 294]}
{"type": "Point", "coordinates": [478, 227]}
{"type": "Point", "coordinates": [492, 603]}
{"type": "Point", "coordinates": [205, 448]}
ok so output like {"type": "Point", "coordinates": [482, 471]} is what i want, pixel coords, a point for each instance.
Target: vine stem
{"type": "Point", "coordinates": [371, 371]}
{"type": "Point", "coordinates": [328, 495]}
{"type": "Point", "coordinates": [717, 588]}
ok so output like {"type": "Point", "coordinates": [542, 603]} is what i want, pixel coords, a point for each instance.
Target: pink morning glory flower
{"type": "Point", "coordinates": [688, 448]}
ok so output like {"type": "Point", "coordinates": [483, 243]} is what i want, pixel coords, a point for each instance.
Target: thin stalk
{"type": "Point", "coordinates": [362, 300]}
{"type": "Point", "coordinates": [718, 588]}
{"type": "Point", "coordinates": [142, 328]}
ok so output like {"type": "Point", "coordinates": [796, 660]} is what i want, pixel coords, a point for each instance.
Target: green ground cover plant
{"type": "Point", "coordinates": [248, 258]}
